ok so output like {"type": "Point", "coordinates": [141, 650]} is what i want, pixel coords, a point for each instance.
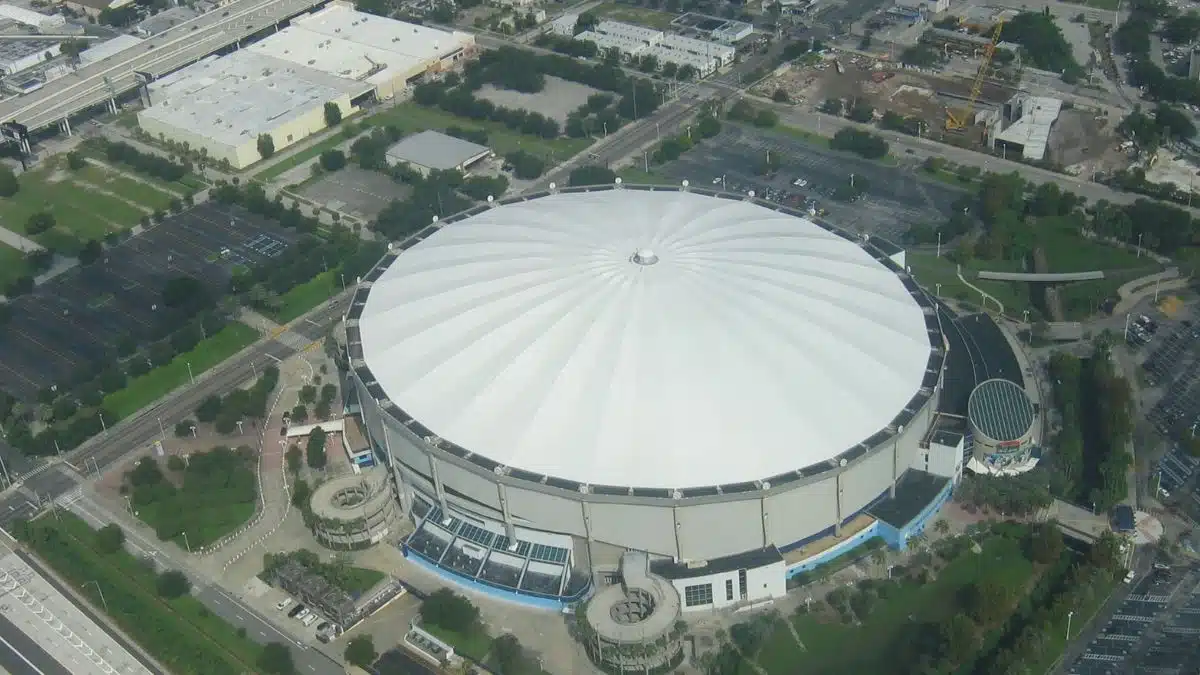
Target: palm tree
{"type": "Point", "coordinates": [941, 526]}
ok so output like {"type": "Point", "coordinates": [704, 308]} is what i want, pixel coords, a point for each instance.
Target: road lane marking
{"type": "Point", "coordinates": [21, 656]}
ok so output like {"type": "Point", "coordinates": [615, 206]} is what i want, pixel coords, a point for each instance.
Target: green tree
{"type": "Point", "coordinates": [781, 96]}
{"type": "Point", "coordinates": [1046, 543]}
{"type": "Point", "coordinates": [295, 459]}
{"type": "Point", "coordinates": [172, 584]}
{"type": "Point", "coordinates": [592, 175]}
{"type": "Point", "coordinates": [333, 160]}
{"type": "Point", "coordinates": [315, 450]}
{"type": "Point", "coordinates": [299, 414]}
{"type": "Point", "coordinates": [708, 126]}
{"type": "Point", "coordinates": [91, 252]}
{"type": "Point", "coordinates": [266, 146]}
{"type": "Point", "coordinates": [39, 222]}
{"type": "Point", "coordinates": [209, 408]}
{"type": "Point", "coordinates": [308, 394]}
{"type": "Point", "coordinates": [446, 609]}
{"type": "Point", "coordinates": [361, 652]}
{"type": "Point", "coordinates": [984, 601]}
{"type": "Point", "coordinates": [109, 539]}
{"type": "Point", "coordinates": [276, 659]}
{"type": "Point", "coordinates": [333, 113]}
{"type": "Point", "coordinates": [8, 182]}
{"type": "Point", "coordinates": [76, 160]}
{"type": "Point", "coordinates": [183, 428]}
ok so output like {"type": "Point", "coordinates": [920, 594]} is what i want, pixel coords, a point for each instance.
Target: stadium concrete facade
{"type": "Point", "coordinates": [725, 385]}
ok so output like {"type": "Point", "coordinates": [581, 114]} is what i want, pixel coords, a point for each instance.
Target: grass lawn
{"type": "Point", "coordinates": [803, 136]}
{"type": "Point", "coordinates": [182, 633]}
{"type": "Point", "coordinates": [144, 390]}
{"type": "Point", "coordinates": [930, 270]}
{"type": "Point", "coordinates": [147, 195]}
{"type": "Point", "coordinates": [359, 580]}
{"type": "Point", "coordinates": [87, 214]}
{"type": "Point", "coordinates": [307, 295]}
{"type": "Point", "coordinates": [302, 157]}
{"type": "Point", "coordinates": [1066, 251]}
{"type": "Point", "coordinates": [836, 648]}
{"type": "Point", "coordinates": [410, 117]}
{"type": "Point", "coordinates": [639, 15]}
{"type": "Point", "coordinates": [475, 646]}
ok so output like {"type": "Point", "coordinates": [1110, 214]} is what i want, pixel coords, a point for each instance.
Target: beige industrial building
{"type": "Point", "coordinates": [389, 55]}
{"type": "Point", "coordinates": [224, 104]}
{"type": "Point", "coordinates": [280, 85]}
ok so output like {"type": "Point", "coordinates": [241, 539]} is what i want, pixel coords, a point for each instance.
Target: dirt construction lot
{"type": "Point", "coordinates": [556, 101]}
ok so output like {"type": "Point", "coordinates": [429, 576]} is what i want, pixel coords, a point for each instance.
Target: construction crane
{"type": "Point", "coordinates": [955, 122]}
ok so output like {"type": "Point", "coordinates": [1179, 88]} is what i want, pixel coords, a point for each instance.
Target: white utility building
{"type": "Point", "coordinates": [389, 55]}
{"type": "Point", "coordinates": [223, 104]}
{"type": "Point", "coordinates": [434, 151]}
{"type": "Point", "coordinates": [18, 55]}
{"type": "Point", "coordinates": [108, 48]}
{"type": "Point", "coordinates": [44, 23]}
{"type": "Point", "coordinates": [1030, 120]}
{"type": "Point", "coordinates": [637, 41]}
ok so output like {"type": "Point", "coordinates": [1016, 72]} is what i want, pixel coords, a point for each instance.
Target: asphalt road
{"type": "Point", "coordinates": [920, 148]}
{"type": "Point", "coordinates": [87, 611]}
{"type": "Point", "coordinates": [110, 446]}
{"type": "Point", "coordinates": [20, 655]}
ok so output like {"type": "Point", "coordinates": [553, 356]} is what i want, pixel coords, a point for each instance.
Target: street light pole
{"type": "Point", "coordinates": [191, 377]}
{"type": "Point", "coordinates": [161, 431]}
{"type": "Point", "coordinates": [101, 592]}
{"type": "Point", "coordinates": [1127, 317]}
{"type": "Point", "coordinates": [1069, 616]}
{"type": "Point", "coordinates": [103, 426]}
{"type": "Point", "coordinates": [7, 478]}
{"type": "Point", "coordinates": [186, 542]}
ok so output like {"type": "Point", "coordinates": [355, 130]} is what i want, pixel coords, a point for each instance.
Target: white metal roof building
{"type": "Point", "coordinates": [108, 48]}
{"type": "Point", "coordinates": [43, 22]}
{"type": "Point", "coordinates": [651, 370]}
{"type": "Point", "coordinates": [632, 40]}
{"type": "Point", "coordinates": [387, 53]}
{"type": "Point", "coordinates": [224, 104]}
{"type": "Point", "coordinates": [19, 55]}
{"type": "Point", "coordinates": [1033, 117]}
{"type": "Point", "coordinates": [434, 151]}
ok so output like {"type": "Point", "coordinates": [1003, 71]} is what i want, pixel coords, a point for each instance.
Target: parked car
{"type": "Point", "coordinates": [296, 611]}
{"type": "Point", "coordinates": [309, 620]}
{"type": "Point", "coordinates": [283, 604]}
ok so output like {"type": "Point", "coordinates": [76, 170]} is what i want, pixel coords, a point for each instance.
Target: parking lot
{"type": "Point", "coordinates": [82, 316]}
{"type": "Point", "coordinates": [1152, 631]}
{"type": "Point", "coordinates": [1173, 363]}
{"type": "Point", "coordinates": [895, 197]}
{"type": "Point", "coordinates": [358, 192]}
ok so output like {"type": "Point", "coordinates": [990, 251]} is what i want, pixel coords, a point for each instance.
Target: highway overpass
{"type": "Point", "coordinates": [103, 81]}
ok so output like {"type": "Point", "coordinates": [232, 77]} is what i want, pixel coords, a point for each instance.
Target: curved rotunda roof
{"type": "Point", "coordinates": [649, 339]}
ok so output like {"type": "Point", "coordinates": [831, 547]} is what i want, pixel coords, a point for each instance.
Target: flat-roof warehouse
{"type": "Point", "coordinates": [223, 104]}
{"type": "Point", "coordinates": [280, 85]}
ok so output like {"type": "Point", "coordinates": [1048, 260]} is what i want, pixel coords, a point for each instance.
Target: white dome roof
{"type": "Point", "coordinates": [647, 339]}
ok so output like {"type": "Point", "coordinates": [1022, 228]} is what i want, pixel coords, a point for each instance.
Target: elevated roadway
{"type": "Point", "coordinates": [185, 43]}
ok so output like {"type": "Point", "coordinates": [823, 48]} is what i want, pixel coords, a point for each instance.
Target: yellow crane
{"type": "Point", "coordinates": [954, 121]}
